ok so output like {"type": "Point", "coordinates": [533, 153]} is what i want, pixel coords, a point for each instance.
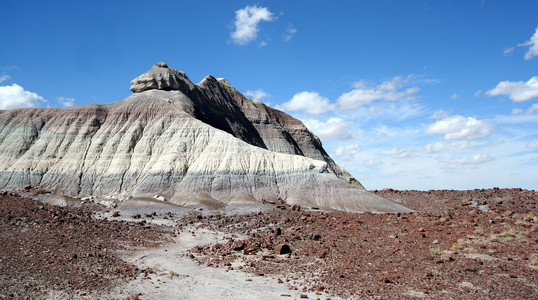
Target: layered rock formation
{"type": "Point", "coordinates": [190, 143]}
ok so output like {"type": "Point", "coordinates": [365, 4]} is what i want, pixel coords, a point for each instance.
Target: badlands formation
{"type": "Point", "coordinates": [190, 144]}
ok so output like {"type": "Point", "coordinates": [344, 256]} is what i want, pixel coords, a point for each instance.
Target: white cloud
{"type": "Point", "coordinates": [14, 96]}
{"type": "Point", "coordinates": [533, 144]}
{"type": "Point", "coordinates": [454, 96]}
{"type": "Point", "coordinates": [394, 132]}
{"type": "Point", "coordinates": [508, 51]}
{"type": "Point", "coordinates": [533, 45]}
{"type": "Point", "coordinates": [372, 162]}
{"type": "Point", "coordinates": [516, 90]}
{"type": "Point", "coordinates": [311, 102]}
{"type": "Point", "coordinates": [289, 33]}
{"type": "Point", "coordinates": [466, 160]}
{"type": "Point", "coordinates": [258, 94]}
{"type": "Point", "coordinates": [533, 110]}
{"type": "Point", "coordinates": [398, 152]}
{"type": "Point", "coordinates": [460, 128]}
{"type": "Point", "coordinates": [246, 23]}
{"type": "Point", "coordinates": [440, 114]}
{"type": "Point", "coordinates": [398, 111]}
{"type": "Point", "coordinates": [478, 93]}
{"type": "Point", "coordinates": [516, 111]}
{"type": "Point", "coordinates": [333, 129]}
{"type": "Point", "coordinates": [364, 93]}
{"type": "Point", "coordinates": [4, 77]}
{"type": "Point", "coordinates": [66, 102]}
{"type": "Point", "coordinates": [347, 151]}
{"type": "Point", "coordinates": [444, 146]}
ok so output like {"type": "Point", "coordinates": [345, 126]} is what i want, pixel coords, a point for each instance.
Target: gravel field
{"type": "Point", "coordinates": [478, 244]}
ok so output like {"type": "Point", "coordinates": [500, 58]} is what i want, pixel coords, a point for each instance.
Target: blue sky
{"type": "Point", "coordinates": [403, 94]}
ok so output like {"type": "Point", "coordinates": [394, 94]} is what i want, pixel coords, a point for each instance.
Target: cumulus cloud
{"type": "Point", "coordinates": [311, 102]}
{"type": "Point", "coordinates": [258, 94]}
{"type": "Point", "coordinates": [533, 45]}
{"type": "Point", "coordinates": [533, 144]}
{"type": "Point", "coordinates": [466, 160]}
{"type": "Point", "coordinates": [14, 96]}
{"type": "Point", "coordinates": [364, 93]}
{"type": "Point", "coordinates": [347, 151]}
{"type": "Point", "coordinates": [444, 146]}
{"type": "Point", "coordinates": [66, 102]}
{"type": "Point", "coordinates": [460, 128]}
{"type": "Point", "coordinates": [333, 129]}
{"type": "Point", "coordinates": [516, 90]}
{"type": "Point", "coordinates": [398, 152]}
{"type": "Point", "coordinates": [454, 96]}
{"type": "Point", "coordinates": [289, 33]}
{"type": "Point", "coordinates": [246, 23]}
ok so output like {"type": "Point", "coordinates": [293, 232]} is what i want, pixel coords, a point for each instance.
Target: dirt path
{"type": "Point", "coordinates": [178, 277]}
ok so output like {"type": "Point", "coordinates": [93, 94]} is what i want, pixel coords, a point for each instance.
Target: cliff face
{"type": "Point", "coordinates": [190, 143]}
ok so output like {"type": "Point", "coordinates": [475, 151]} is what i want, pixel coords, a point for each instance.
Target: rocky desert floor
{"type": "Point", "coordinates": [476, 244]}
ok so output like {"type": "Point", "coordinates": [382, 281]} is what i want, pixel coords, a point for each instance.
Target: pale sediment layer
{"type": "Point", "coordinates": [188, 143]}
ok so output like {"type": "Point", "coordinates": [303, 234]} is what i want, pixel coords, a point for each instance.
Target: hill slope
{"type": "Point", "coordinates": [190, 143]}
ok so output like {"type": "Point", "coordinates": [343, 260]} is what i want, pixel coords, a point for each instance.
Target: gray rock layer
{"type": "Point", "coordinates": [191, 143]}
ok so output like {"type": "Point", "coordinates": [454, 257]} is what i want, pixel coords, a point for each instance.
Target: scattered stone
{"type": "Point", "coordinates": [315, 237]}
{"type": "Point", "coordinates": [390, 280]}
{"type": "Point", "coordinates": [282, 249]}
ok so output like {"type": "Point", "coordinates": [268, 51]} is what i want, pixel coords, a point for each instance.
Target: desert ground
{"type": "Point", "coordinates": [475, 244]}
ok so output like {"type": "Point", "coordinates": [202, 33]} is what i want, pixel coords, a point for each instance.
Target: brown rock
{"type": "Point", "coordinates": [390, 280]}
{"type": "Point", "coordinates": [239, 245]}
{"type": "Point", "coordinates": [282, 249]}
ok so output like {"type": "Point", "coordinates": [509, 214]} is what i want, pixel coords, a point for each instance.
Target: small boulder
{"type": "Point", "coordinates": [282, 249]}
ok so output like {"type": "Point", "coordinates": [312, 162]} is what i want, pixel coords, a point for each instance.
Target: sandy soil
{"type": "Point", "coordinates": [178, 277]}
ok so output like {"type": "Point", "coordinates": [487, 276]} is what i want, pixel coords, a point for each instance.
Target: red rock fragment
{"type": "Point", "coordinates": [239, 245]}
{"type": "Point", "coordinates": [389, 279]}
{"type": "Point", "coordinates": [282, 249]}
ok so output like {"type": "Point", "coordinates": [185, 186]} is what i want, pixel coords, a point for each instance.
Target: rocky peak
{"type": "Point", "coordinates": [162, 77]}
